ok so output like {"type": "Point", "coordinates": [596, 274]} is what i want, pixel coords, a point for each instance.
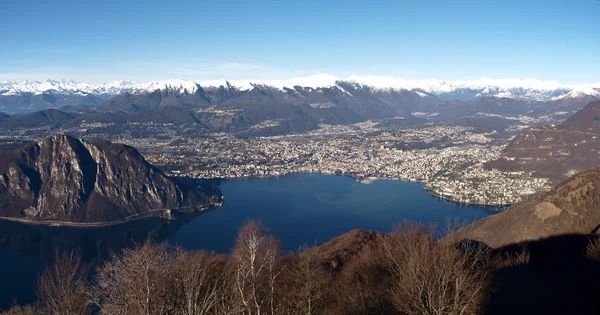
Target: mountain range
{"type": "Point", "coordinates": [18, 96]}
{"type": "Point", "coordinates": [266, 108]}
{"type": "Point", "coordinates": [530, 89]}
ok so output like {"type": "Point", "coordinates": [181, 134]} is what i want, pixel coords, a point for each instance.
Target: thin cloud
{"type": "Point", "coordinates": [190, 59]}
{"type": "Point", "coordinates": [201, 70]}
{"type": "Point", "coordinates": [41, 73]}
{"type": "Point", "coordinates": [145, 72]}
{"type": "Point", "coordinates": [18, 62]}
{"type": "Point", "coordinates": [48, 50]}
{"type": "Point", "coordinates": [239, 66]}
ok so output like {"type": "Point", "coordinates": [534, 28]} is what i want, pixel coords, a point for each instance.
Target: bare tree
{"type": "Point", "coordinates": [593, 250]}
{"type": "Point", "coordinates": [136, 282]}
{"type": "Point", "coordinates": [519, 258]}
{"type": "Point", "coordinates": [407, 272]}
{"type": "Point", "coordinates": [61, 288]}
{"type": "Point", "coordinates": [203, 281]}
{"type": "Point", "coordinates": [309, 280]}
{"type": "Point", "coordinates": [362, 286]}
{"type": "Point", "coordinates": [21, 310]}
{"type": "Point", "coordinates": [255, 257]}
{"type": "Point", "coordinates": [435, 277]}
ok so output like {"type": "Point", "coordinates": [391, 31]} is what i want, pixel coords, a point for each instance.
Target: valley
{"type": "Point", "coordinates": [449, 157]}
{"type": "Point", "coordinates": [456, 137]}
{"type": "Point", "coordinates": [452, 164]}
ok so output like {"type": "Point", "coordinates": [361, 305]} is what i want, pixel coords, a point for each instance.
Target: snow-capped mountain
{"type": "Point", "coordinates": [26, 96]}
{"type": "Point", "coordinates": [275, 107]}
{"type": "Point", "coordinates": [178, 85]}
{"type": "Point", "coordinates": [583, 91]}
{"type": "Point", "coordinates": [314, 81]}
{"type": "Point", "coordinates": [8, 88]}
{"type": "Point", "coordinates": [530, 89]}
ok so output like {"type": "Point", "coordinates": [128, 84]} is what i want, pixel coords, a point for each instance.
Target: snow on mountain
{"type": "Point", "coordinates": [582, 91]}
{"type": "Point", "coordinates": [386, 83]}
{"type": "Point", "coordinates": [314, 81]}
{"type": "Point", "coordinates": [64, 87]}
{"type": "Point", "coordinates": [439, 86]}
{"type": "Point", "coordinates": [178, 86]}
{"type": "Point", "coordinates": [181, 86]}
{"type": "Point", "coordinates": [530, 89]}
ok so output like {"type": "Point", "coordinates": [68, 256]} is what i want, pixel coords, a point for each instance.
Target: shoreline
{"type": "Point", "coordinates": [368, 180]}
{"type": "Point", "coordinates": [494, 205]}
{"type": "Point", "coordinates": [167, 214]}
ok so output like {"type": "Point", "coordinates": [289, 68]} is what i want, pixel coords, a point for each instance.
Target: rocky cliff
{"type": "Point", "coordinates": [63, 178]}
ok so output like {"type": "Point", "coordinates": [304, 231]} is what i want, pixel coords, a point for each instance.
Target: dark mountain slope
{"type": "Point", "coordinates": [484, 124]}
{"type": "Point", "coordinates": [498, 105]}
{"type": "Point", "coordinates": [27, 102]}
{"type": "Point", "coordinates": [153, 100]}
{"type": "Point", "coordinates": [264, 110]}
{"type": "Point", "coordinates": [167, 114]}
{"type": "Point", "coordinates": [572, 103]}
{"type": "Point", "coordinates": [163, 115]}
{"type": "Point", "coordinates": [586, 120]}
{"type": "Point", "coordinates": [47, 117]}
{"type": "Point", "coordinates": [131, 102]}
{"type": "Point", "coordinates": [572, 207]}
{"type": "Point", "coordinates": [556, 152]}
{"type": "Point", "coordinates": [550, 152]}
{"type": "Point", "coordinates": [550, 251]}
{"type": "Point", "coordinates": [63, 178]}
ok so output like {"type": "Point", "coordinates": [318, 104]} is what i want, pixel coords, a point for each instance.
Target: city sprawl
{"type": "Point", "coordinates": [449, 159]}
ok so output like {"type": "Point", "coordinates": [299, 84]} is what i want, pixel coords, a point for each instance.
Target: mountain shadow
{"type": "Point", "coordinates": [555, 276]}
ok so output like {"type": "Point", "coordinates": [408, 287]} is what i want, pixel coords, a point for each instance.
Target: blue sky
{"type": "Point", "coordinates": [99, 41]}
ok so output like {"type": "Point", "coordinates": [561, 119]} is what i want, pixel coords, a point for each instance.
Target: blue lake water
{"type": "Point", "coordinates": [299, 208]}
{"type": "Point", "coordinates": [314, 208]}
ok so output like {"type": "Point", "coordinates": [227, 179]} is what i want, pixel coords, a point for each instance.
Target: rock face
{"type": "Point", "coordinates": [63, 178]}
{"type": "Point", "coordinates": [572, 207]}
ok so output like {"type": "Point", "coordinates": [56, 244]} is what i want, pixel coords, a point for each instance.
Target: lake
{"type": "Point", "coordinates": [304, 208]}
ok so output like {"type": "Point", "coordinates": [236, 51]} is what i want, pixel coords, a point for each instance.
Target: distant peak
{"type": "Point", "coordinates": [532, 89]}
{"type": "Point", "coordinates": [180, 86]}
